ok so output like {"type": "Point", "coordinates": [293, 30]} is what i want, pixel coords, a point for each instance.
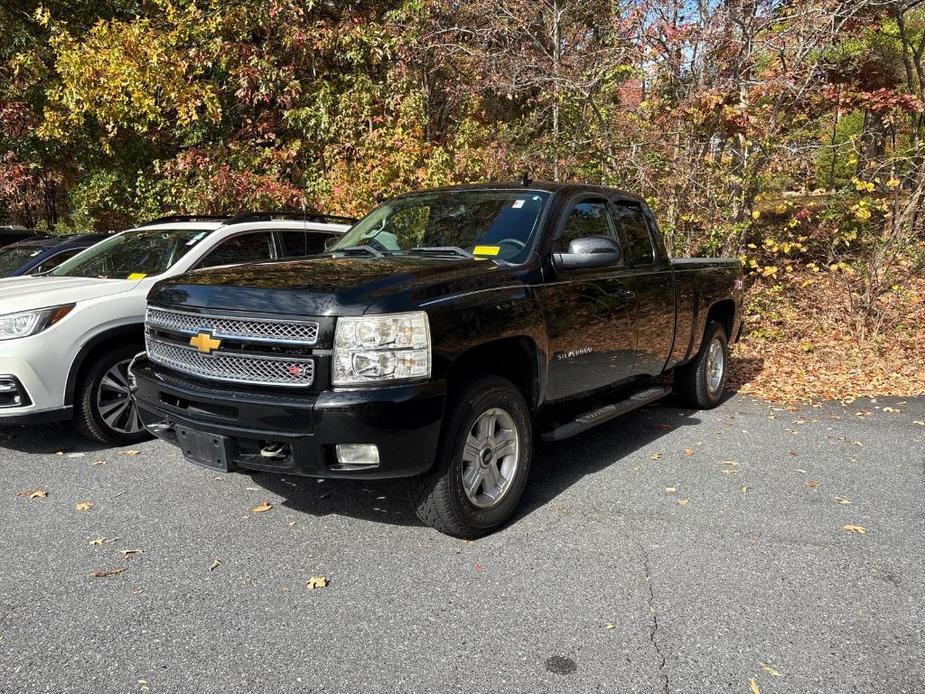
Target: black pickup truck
{"type": "Point", "coordinates": [435, 341]}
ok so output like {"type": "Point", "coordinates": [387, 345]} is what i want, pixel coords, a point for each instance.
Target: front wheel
{"type": "Point", "coordinates": [701, 382]}
{"type": "Point", "coordinates": [482, 462]}
{"type": "Point", "coordinates": [104, 410]}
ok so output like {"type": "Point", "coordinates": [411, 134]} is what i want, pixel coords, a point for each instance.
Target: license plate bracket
{"type": "Point", "coordinates": [207, 450]}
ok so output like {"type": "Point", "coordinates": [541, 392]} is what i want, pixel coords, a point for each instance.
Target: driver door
{"type": "Point", "coordinates": [590, 312]}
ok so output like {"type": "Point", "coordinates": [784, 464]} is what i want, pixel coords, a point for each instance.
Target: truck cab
{"type": "Point", "coordinates": [435, 341]}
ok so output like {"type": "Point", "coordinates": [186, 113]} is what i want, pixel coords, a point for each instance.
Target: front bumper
{"type": "Point", "coordinates": [402, 421]}
{"type": "Point", "coordinates": [40, 393]}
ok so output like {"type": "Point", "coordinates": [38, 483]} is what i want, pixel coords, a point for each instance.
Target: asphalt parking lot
{"type": "Point", "coordinates": [746, 549]}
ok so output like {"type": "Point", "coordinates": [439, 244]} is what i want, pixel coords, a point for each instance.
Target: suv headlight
{"type": "Point", "coordinates": [26, 323]}
{"type": "Point", "coordinates": [387, 347]}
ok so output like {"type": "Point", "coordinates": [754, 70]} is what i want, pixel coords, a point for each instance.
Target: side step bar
{"type": "Point", "coordinates": [591, 419]}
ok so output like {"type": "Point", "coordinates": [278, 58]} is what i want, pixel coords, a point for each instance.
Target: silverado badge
{"type": "Point", "coordinates": [205, 343]}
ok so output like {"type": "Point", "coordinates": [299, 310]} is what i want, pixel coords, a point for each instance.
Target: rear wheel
{"type": "Point", "coordinates": [482, 462]}
{"type": "Point", "coordinates": [104, 410]}
{"type": "Point", "coordinates": [701, 382]}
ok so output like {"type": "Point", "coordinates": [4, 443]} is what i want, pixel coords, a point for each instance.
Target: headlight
{"type": "Point", "coordinates": [26, 323]}
{"type": "Point", "coordinates": [388, 347]}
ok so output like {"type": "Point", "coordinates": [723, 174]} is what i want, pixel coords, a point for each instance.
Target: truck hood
{"type": "Point", "coordinates": [25, 293]}
{"type": "Point", "coordinates": [329, 286]}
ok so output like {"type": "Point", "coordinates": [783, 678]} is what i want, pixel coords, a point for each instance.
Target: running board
{"type": "Point", "coordinates": [591, 419]}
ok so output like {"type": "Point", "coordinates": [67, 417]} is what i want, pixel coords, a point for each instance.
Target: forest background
{"type": "Point", "coordinates": [789, 133]}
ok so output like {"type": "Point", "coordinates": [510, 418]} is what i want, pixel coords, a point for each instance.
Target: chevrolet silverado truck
{"type": "Point", "coordinates": [437, 340]}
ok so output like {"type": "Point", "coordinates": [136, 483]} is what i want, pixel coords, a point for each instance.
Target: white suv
{"type": "Point", "coordinates": [66, 338]}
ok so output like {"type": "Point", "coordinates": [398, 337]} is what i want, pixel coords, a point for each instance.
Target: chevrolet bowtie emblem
{"type": "Point", "coordinates": [205, 343]}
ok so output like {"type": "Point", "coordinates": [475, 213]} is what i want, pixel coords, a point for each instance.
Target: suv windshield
{"type": "Point", "coordinates": [13, 257]}
{"type": "Point", "coordinates": [133, 254]}
{"type": "Point", "coordinates": [495, 223]}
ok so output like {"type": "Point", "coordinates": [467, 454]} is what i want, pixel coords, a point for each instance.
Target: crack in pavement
{"type": "Point", "coordinates": [653, 629]}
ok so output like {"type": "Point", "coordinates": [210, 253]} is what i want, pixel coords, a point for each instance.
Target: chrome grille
{"type": "Point", "coordinates": [227, 327]}
{"type": "Point", "coordinates": [225, 366]}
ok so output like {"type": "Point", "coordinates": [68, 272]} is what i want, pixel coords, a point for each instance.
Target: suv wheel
{"type": "Point", "coordinates": [104, 410]}
{"type": "Point", "coordinates": [701, 382]}
{"type": "Point", "coordinates": [482, 462]}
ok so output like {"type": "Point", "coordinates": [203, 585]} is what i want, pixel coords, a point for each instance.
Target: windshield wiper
{"type": "Point", "coordinates": [443, 250]}
{"type": "Point", "coordinates": [351, 250]}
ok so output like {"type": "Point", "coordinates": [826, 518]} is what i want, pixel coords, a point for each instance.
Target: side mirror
{"type": "Point", "coordinates": [588, 252]}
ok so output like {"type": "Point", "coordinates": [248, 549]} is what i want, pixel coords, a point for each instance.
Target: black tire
{"type": "Point", "coordinates": [439, 498]}
{"type": "Point", "coordinates": [87, 416]}
{"type": "Point", "coordinates": [692, 381]}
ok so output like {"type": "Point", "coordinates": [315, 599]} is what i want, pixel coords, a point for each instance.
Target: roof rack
{"type": "Point", "coordinates": [290, 214]}
{"type": "Point", "coordinates": [187, 218]}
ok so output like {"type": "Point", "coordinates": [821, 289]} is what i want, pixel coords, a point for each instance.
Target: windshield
{"type": "Point", "coordinates": [11, 259]}
{"type": "Point", "coordinates": [494, 223]}
{"type": "Point", "coordinates": [133, 254]}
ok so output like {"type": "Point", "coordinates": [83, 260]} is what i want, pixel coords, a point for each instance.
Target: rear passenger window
{"type": "Point", "coordinates": [298, 244]}
{"type": "Point", "coordinates": [246, 248]}
{"type": "Point", "coordinates": [587, 218]}
{"type": "Point", "coordinates": [636, 235]}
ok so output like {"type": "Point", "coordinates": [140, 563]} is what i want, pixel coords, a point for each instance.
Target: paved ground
{"type": "Point", "coordinates": [643, 560]}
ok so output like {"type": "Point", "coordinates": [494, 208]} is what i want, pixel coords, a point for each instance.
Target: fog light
{"type": "Point", "coordinates": [11, 393]}
{"type": "Point", "coordinates": [357, 454]}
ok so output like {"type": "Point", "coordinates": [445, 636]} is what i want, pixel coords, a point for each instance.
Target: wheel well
{"type": "Point", "coordinates": [512, 358]}
{"type": "Point", "coordinates": [129, 334]}
{"type": "Point", "coordinates": [723, 311]}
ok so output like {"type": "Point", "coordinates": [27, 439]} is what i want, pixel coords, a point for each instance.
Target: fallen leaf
{"type": "Point", "coordinates": [99, 541]}
{"type": "Point", "coordinates": [131, 552]}
{"type": "Point", "coordinates": [729, 471]}
{"type": "Point", "coordinates": [262, 507]}
{"type": "Point", "coordinates": [132, 452]}
{"type": "Point", "coordinates": [252, 489]}
{"type": "Point", "coordinates": [920, 422]}
{"type": "Point", "coordinates": [655, 456]}
{"type": "Point", "coordinates": [859, 529]}
{"type": "Point", "coordinates": [33, 494]}
{"type": "Point", "coordinates": [843, 502]}
{"type": "Point", "coordinates": [215, 564]}
{"type": "Point", "coordinates": [100, 462]}
{"type": "Point", "coordinates": [84, 505]}
{"type": "Point", "coordinates": [688, 452]}
{"type": "Point", "coordinates": [891, 409]}
{"type": "Point", "coordinates": [754, 686]}
{"type": "Point", "coordinates": [315, 582]}
{"type": "Point", "coordinates": [811, 484]}
{"type": "Point", "coordinates": [768, 669]}
{"type": "Point", "coordinates": [103, 573]}
{"type": "Point", "coordinates": [683, 502]}
{"type": "Point", "coordinates": [291, 524]}
{"type": "Point", "coordinates": [731, 463]}
{"type": "Point", "coordinates": [611, 626]}
{"type": "Point", "coordinates": [671, 490]}
{"type": "Point", "coordinates": [745, 489]}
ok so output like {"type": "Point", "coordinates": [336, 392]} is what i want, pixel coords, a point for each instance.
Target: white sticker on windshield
{"type": "Point", "coordinates": [518, 204]}
{"type": "Point", "coordinates": [197, 238]}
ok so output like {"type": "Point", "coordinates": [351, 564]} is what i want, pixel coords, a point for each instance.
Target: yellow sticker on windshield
{"type": "Point", "coordinates": [487, 250]}
{"type": "Point", "coordinates": [137, 276]}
